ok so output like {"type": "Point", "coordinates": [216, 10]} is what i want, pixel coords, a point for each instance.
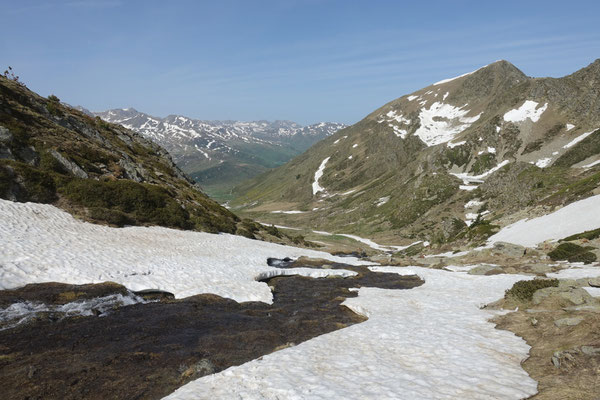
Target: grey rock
{"type": "Point", "coordinates": [576, 296]}
{"type": "Point", "coordinates": [5, 135]}
{"type": "Point", "coordinates": [484, 270]}
{"type": "Point", "coordinates": [133, 171]}
{"type": "Point", "coordinates": [540, 268]}
{"type": "Point", "coordinates": [594, 282]}
{"type": "Point", "coordinates": [29, 155]}
{"type": "Point", "coordinates": [590, 350]}
{"type": "Point", "coordinates": [569, 321]}
{"type": "Point", "coordinates": [69, 165]}
{"type": "Point", "coordinates": [509, 249]}
{"type": "Point", "coordinates": [5, 153]}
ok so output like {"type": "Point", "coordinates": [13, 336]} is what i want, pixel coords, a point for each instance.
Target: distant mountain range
{"type": "Point", "coordinates": [221, 154]}
{"type": "Point", "coordinates": [451, 162]}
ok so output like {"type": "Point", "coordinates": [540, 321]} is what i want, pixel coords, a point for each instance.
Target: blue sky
{"type": "Point", "coordinates": [302, 60]}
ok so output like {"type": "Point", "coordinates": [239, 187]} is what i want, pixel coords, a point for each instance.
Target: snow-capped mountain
{"type": "Point", "coordinates": [220, 154]}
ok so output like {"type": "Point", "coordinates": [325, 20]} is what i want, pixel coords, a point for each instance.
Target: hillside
{"type": "Point", "coordinates": [51, 153]}
{"type": "Point", "coordinates": [221, 154]}
{"type": "Point", "coordinates": [451, 162]}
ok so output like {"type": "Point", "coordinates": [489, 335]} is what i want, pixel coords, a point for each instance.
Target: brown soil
{"type": "Point", "coordinates": [578, 374]}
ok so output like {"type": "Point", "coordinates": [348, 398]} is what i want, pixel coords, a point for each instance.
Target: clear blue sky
{"type": "Point", "coordinates": [302, 60]}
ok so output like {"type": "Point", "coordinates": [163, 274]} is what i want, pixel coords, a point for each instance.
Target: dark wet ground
{"type": "Point", "coordinates": [146, 351]}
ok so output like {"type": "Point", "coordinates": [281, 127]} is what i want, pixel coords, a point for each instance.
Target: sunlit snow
{"type": "Point", "coordinates": [577, 139]}
{"type": "Point", "coordinates": [41, 243]}
{"type": "Point", "coordinates": [527, 110]}
{"type": "Point", "coordinates": [441, 122]}
{"type": "Point", "coordinates": [582, 215]}
{"type": "Point", "coordinates": [430, 342]}
{"type": "Point", "coordinates": [315, 186]}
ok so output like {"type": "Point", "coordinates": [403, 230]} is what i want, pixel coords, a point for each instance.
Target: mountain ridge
{"type": "Point", "coordinates": [220, 154]}
{"type": "Point", "coordinates": [489, 138]}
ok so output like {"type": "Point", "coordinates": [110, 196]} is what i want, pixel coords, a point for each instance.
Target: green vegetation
{"type": "Point", "coordinates": [589, 235]}
{"type": "Point", "coordinates": [483, 163]}
{"type": "Point", "coordinates": [572, 253]}
{"type": "Point", "coordinates": [524, 290]}
{"type": "Point", "coordinates": [144, 203]}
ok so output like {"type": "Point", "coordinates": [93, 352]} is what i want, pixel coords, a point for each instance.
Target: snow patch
{"type": "Point", "coordinates": [570, 126]}
{"type": "Point", "coordinates": [527, 110]}
{"type": "Point", "coordinates": [382, 201]}
{"type": "Point", "coordinates": [577, 139]}
{"type": "Point", "coordinates": [441, 122]}
{"type": "Point", "coordinates": [315, 186]}
{"type": "Point", "coordinates": [456, 77]}
{"type": "Point", "coordinates": [543, 162]}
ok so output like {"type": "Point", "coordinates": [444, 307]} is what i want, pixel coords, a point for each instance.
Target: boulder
{"type": "Point", "coordinates": [565, 295]}
{"type": "Point", "coordinates": [509, 249]}
{"type": "Point", "coordinates": [485, 269]}
{"type": "Point", "coordinates": [569, 321]}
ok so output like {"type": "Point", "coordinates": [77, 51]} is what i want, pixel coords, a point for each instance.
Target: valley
{"type": "Point", "coordinates": [445, 246]}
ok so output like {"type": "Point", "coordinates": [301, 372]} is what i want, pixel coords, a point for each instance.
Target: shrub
{"type": "Point", "coordinates": [573, 253]}
{"type": "Point", "coordinates": [143, 203]}
{"type": "Point", "coordinates": [524, 290]}
{"type": "Point", "coordinates": [589, 235]}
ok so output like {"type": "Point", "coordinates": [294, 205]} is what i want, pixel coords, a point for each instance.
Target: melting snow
{"type": "Point", "coordinates": [315, 186]}
{"type": "Point", "coordinates": [452, 145]}
{"type": "Point", "coordinates": [570, 126]}
{"type": "Point", "coordinates": [411, 98]}
{"type": "Point", "coordinates": [445, 95]}
{"type": "Point", "coordinates": [41, 243]}
{"type": "Point", "coordinates": [288, 212]}
{"type": "Point", "coordinates": [466, 178]}
{"type": "Point", "coordinates": [430, 342]}
{"type": "Point", "coordinates": [382, 201]}
{"type": "Point", "coordinates": [527, 110]}
{"type": "Point", "coordinates": [582, 215]}
{"type": "Point", "coordinates": [355, 145]}
{"type": "Point", "coordinates": [543, 162]}
{"type": "Point", "coordinates": [577, 139]}
{"type": "Point", "coordinates": [473, 203]}
{"type": "Point", "coordinates": [590, 165]}
{"type": "Point", "coordinates": [441, 122]}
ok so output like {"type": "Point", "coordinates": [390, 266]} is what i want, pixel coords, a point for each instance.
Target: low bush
{"type": "Point", "coordinates": [524, 290]}
{"type": "Point", "coordinates": [573, 253]}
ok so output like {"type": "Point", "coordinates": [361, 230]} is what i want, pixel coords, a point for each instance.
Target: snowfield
{"type": "Point", "coordinates": [430, 342]}
{"type": "Point", "coordinates": [582, 215]}
{"type": "Point", "coordinates": [41, 243]}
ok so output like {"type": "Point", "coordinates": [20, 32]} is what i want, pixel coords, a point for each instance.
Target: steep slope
{"type": "Point", "coordinates": [447, 162]}
{"type": "Point", "coordinates": [221, 154]}
{"type": "Point", "coordinates": [50, 153]}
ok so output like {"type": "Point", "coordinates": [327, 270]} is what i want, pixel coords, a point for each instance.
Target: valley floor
{"type": "Point", "coordinates": [431, 341]}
